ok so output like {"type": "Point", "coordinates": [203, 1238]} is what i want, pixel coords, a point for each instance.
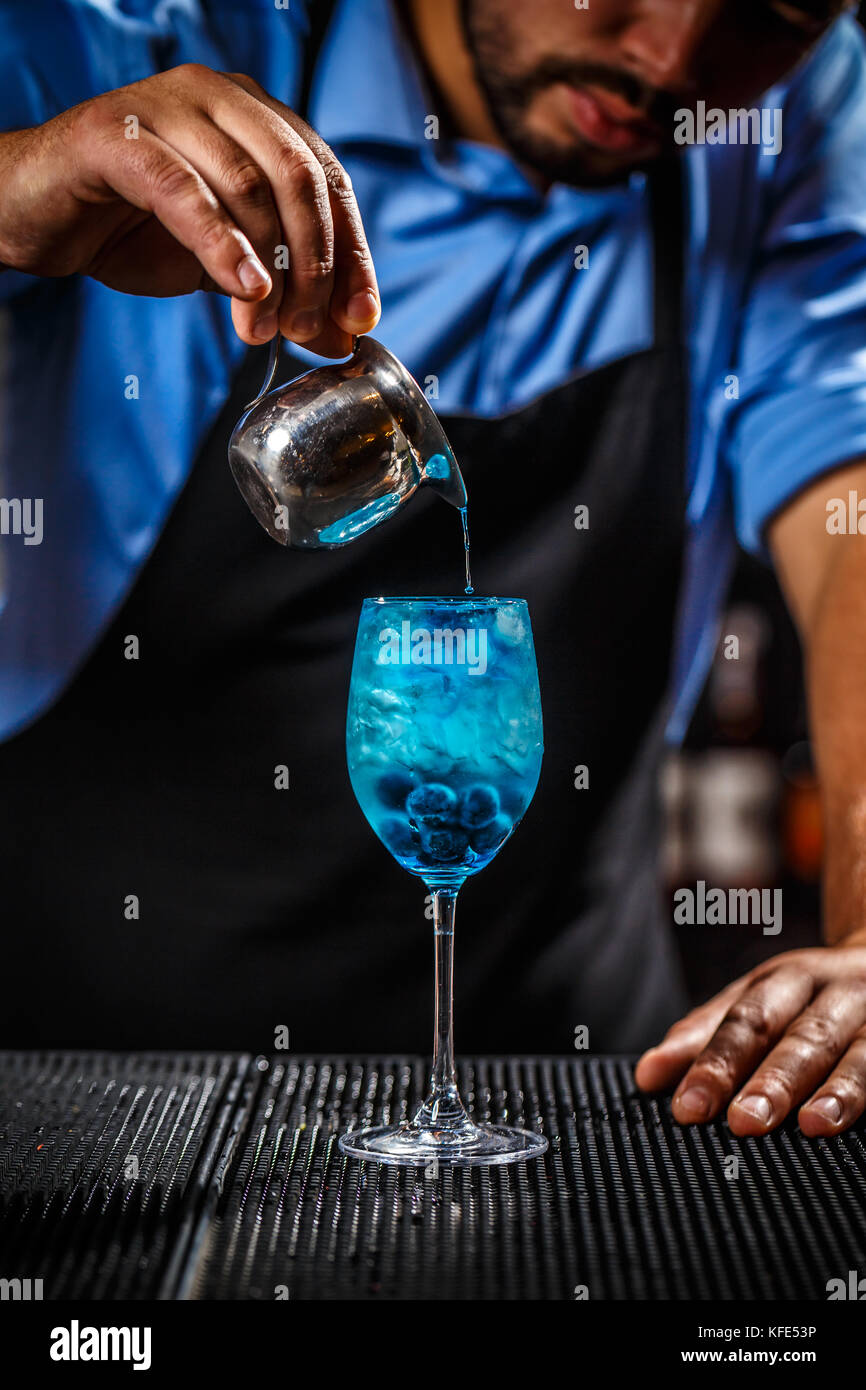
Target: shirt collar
{"type": "Point", "coordinates": [368, 85]}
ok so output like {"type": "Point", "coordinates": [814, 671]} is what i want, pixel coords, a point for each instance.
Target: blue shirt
{"type": "Point", "coordinates": [105, 398]}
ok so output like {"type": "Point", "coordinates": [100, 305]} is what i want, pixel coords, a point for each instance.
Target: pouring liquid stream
{"type": "Point", "coordinates": [464, 519]}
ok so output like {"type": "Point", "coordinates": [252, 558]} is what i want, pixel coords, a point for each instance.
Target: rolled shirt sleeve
{"type": "Point", "coordinates": [801, 358]}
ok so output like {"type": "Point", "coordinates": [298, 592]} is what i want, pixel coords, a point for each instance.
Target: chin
{"type": "Point", "coordinates": [580, 166]}
{"type": "Point", "coordinates": [557, 155]}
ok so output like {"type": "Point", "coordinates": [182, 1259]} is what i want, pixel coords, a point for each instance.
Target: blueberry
{"type": "Point", "coordinates": [432, 804]}
{"type": "Point", "coordinates": [479, 805]}
{"type": "Point", "coordinates": [445, 845]}
{"type": "Point", "coordinates": [393, 788]}
{"type": "Point", "coordinates": [398, 836]}
{"type": "Point", "coordinates": [490, 836]}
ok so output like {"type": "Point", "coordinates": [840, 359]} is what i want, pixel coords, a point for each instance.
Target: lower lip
{"type": "Point", "coordinates": [597, 127]}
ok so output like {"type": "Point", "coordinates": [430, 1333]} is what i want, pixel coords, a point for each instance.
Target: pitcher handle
{"type": "Point", "coordinates": [273, 359]}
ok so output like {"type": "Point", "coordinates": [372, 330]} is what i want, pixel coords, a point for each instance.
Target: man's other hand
{"type": "Point", "coordinates": [790, 1035]}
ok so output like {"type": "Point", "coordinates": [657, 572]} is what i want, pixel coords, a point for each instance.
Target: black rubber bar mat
{"type": "Point", "coordinates": [624, 1205]}
{"type": "Point", "coordinates": [242, 1193]}
{"type": "Point", "coordinates": [105, 1166]}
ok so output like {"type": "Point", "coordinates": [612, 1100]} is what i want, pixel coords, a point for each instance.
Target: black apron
{"type": "Point", "coordinates": [260, 907]}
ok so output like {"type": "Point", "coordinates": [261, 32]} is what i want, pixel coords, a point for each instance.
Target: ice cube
{"type": "Point", "coordinates": [510, 627]}
{"type": "Point", "coordinates": [461, 736]}
{"type": "Point", "coordinates": [387, 699]}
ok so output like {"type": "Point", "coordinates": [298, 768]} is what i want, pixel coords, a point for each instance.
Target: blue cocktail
{"type": "Point", "coordinates": [444, 745]}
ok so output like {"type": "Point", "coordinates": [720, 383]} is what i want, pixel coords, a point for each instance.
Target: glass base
{"type": "Point", "coordinates": [463, 1144]}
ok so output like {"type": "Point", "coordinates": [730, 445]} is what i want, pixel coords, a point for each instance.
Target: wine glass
{"type": "Point", "coordinates": [444, 746]}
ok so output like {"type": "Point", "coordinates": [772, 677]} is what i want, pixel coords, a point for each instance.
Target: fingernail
{"type": "Point", "coordinates": [756, 1106]}
{"type": "Point", "coordinates": [362, 307]}
{"type": "Point", "coordinates": [695, 1101]}
{"type": "Point", "coordinates": [264, 329]}
{"type": "Point", "coordinates": [252, 274]}
{"type": "Point", "coordinates": [829, 1107]}
{"type": "Point", "coordinates": [307, 324]}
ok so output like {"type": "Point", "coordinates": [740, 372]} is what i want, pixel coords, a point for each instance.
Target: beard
{"type": "Point", "coordinates": [509, 95]}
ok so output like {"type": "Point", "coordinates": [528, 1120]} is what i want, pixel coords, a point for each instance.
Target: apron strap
{"type": "Point", "coordinates": [319, 13]}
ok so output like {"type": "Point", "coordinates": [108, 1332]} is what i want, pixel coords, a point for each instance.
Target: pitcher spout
{"type": "Point", "coordinates": [324, 459]}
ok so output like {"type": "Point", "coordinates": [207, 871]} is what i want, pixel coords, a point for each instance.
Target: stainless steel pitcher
{"type": "Point", "coordinates": [325, 458]}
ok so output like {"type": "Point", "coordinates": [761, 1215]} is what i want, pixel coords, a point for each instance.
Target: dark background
{"type": "Point", "coordinates": [741, 797]}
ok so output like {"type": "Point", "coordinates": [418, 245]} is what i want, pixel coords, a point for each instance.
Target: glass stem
{"type": "Point", "coordinates": [443, 1108]}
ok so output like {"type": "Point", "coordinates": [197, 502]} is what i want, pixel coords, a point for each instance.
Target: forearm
{"type": "Point", "coordinates": [835, 656]}
{"type": "Point", "coordinates": [823, 577]}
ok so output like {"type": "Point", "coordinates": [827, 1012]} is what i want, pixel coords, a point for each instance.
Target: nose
{"type": "Point", "coordinates": [664, 42]}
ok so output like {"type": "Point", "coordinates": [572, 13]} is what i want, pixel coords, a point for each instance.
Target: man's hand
{"type": "Point", "coordinates": [188, 180]}
{"type": "Point", "coordinates": [790, 1035]}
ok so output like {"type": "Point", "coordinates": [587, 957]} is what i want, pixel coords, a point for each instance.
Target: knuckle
{"type": "Point", "coordinates": [849, 1084]}
{"type": "Point", "coordinates": [714, 1066]}
{"type": "Point", "coordinates": [192, 72]}
{"type": "Point", "coordinates": [816, 1031]}
{"type": "Point", "coordinates": [211, 237]}
{"type": "Point", "coordinates": [92, 119]}
{"type": "Point", "coordinates": [338, 181]}
{"type": "Point", "coordinates": [356, 264]}
{"type": "Point", "coordinates": [302, 173]}
{"type": "Point", "coordinates": [776, 1080]}
{"type": "Point", "coordinates": [796, 970]}
{"type": "Point", "coordinates": [315, 272]}
{"type": "Point", "coordinates": [171, 181]}
{"type": "Point", "coordinates": [749, 1014]}
{"type": "Point", "coordinates": [243, 79]}
{"type": "Point", "coordinates": [246, 183]}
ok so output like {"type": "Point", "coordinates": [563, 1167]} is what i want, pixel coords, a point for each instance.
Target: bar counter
{"type": "Point", "coordinates": [218, 1176]}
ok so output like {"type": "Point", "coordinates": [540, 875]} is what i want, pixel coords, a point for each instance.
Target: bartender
{"type": "Point", "coordinates": [625, 313]}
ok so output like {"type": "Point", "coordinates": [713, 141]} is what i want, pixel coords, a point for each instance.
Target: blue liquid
{"type": "Point", "coordinates": [357, 522]}
{"type": "Point", "coordinates": [444, 757]}
{"type": "Point", "coordinates": [464, 518]}
{"type": "Point", "coordinates": [438, 469]}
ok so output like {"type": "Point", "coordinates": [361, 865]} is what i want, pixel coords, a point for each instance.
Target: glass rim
{"type": "Point", "coordinates": [466, 600]}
